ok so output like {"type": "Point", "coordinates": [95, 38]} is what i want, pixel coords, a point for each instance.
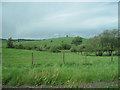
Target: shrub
{"type": "Point", "coordinates": [59, 47]}
{"type": "Point", "coordinates": [39, 49]}
{"type": "Point", "coordinates": [54, 49]}
{"type": "Point", "coordinates": [45, 46]}
{"type": "Point", "coordinates": [35, 47]}
{"type": "Point", "coordinates": [10, 43]}
{"type": "Point", "coordinates": [51, 41]}
{"type": "Point", "coordinates": [81, 48]}
{"type": "Point", "coordinates": [77, 41]}
{"type": "Point", "coordinates": [73, 49]}
{"type": "Point", "coordinates": [16, 47]}
{"type": "Point", "coordinates": [20, 46]}
{"type": "Point", "coordinates": [28, 47]}
{"type": "Point", "coordinates": [62, 41]}
{"type": "Point", "coordinates": [66, 46]}
{"type": "Point", "coordinates": [48, 47]}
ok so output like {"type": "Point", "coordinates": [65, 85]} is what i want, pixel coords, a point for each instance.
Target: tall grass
{"type": "Point", "coordinates": [48, 68]}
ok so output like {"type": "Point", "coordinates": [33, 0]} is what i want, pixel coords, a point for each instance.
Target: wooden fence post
{"type": "Point", "coordinates": [32, 58]}
{"type": "Point", "coordinates": [112, 57]}
{"type": "Point", "coordinates": [86, 57]}
{"type": "Point", "coordinates": [63, 57]}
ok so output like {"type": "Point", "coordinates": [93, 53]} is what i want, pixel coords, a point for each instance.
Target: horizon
{"type": "Point", "coordinates": [38, 39]}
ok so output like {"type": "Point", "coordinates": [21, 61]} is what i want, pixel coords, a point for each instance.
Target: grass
{"type": "Point", "coordinates": [4, 43]}
{"type": "Point", "coordinates": [116, 86]}
{"type": "Point", "coordinates": [48, 68]}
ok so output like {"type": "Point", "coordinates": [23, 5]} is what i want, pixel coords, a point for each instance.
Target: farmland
{"type": "Point", "coordinates": [85, 63]}
{"type": "Point", "coordinates": [48, 68]}
{"type": "Point", "coordinates": [60, 45]}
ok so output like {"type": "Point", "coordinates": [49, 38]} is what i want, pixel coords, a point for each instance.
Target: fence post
{"type": "Point", "coordinates": [63, 57]}
{"type": "Point", "coordinates": [86, 57]}
{"type": "Point", "coordinates": [112, 57]}
{"type": "Point", "coordinates": [32, 58]}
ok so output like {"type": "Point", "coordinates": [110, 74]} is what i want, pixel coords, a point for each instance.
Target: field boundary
{"type": "Point", "coordinates": [80, 85]}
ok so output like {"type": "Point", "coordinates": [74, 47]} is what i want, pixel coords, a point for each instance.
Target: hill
{"type": "Point", "coordinates": [47, 42]}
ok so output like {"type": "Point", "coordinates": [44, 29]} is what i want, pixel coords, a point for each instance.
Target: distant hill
{"type": "Point", "coordinates": [48, 42]}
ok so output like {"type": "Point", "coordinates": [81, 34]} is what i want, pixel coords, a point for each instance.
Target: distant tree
{"type": "Point", "coordinates": [65, 46]}
{"type": "Point", "coordinates": [16, 47]}
{"type": "Point", "coordinates": [74, 49]}
{"type": "Point", "coordinates": [94, 45]}
{"type": "Point", "coordinates": [51, 41]}
{"type": "Point", "coordinates": [81, 48]}
{"type": "Point", "coordinates": [109, 40]}
{"type": "Point", "coordinates": [48, 47]}
{"type": "Point", "coordinates": [45, 45]}
{"type": "Point", "coordinates": [28, 47]}
{"type": "Point", "coordinates": [104, 42]}
{"type": "Point", "coordinates": [10, 43]}
{"type": "Point", "coordinates": [54, 49]}
{"type": "Point", "coordinates": [20, 46]}
{"type": "Point", "coordinates": [39, 49]}
{"type": "Point", "coordinates": [35, 47]}
{"type": "Point", "coordinates": [118, 44]}
{"type": "Point", "coordinates": [62, 41]}
{"type": "Point", "coordinates": [18, 40]}
{"type": "Point", "coordinates": [66, 35]}
{"type": "Point", "coordinates": [77, 41]}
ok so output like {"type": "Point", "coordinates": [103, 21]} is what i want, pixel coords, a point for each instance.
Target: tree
{"type": "Point", "coordinates": [95, 45]}
{"type": "Point", "coordinates": [51, 41]}
{"type": "Point", "coordinates": [74, 49]}
{"type": "Point", "coordinates": [109, 40]}
{"type": "Point", "coordinates": [81, 48]}
{"type": "Point", "coordinates": [77, 41]}
{"type": "Point", "coordinates": [10, 43]}
{"type": "Point", "coordinates": [66, 35]}
{"type": "Point", "coordinates": [54, 49]}
{"type": "Point", "coordinates": [65, 46]}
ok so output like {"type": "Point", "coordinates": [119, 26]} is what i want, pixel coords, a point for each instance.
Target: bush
{"type": "Point", "coordinates": [77, 41]}
{"type": "Point", "coordinates": [16, 47]}
{"type": "Point", "coordinates": [65, 46]}
{"type": "Point", "coordinates": [45, 46]}
{"type": "Point", "coordinates": [51, 41]}
{"type": "Point", "coordinates": [10, 43]}
{"type": "Point", "coordinates": [28, 47]}
{"type": "Point", "coordinates": [35, 47]}
{"type": "Point", "coordinates": [74, 49]}
{"type": "Point", "coordinates": [81, 48]}
{"type": "Point", "coordinates": [39, 49]}
{"type": "Point", "coordinates": [54, 49]}
{"type": "Point", "coordinates": [20, 46]}
{"type": "Point", "coordinates": [48, 47]}
{"type": "Point", "coordinates": [59, 47]}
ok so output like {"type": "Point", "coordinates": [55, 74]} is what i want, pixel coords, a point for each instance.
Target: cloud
{"type": "Point", "coordinates": [44, 19]}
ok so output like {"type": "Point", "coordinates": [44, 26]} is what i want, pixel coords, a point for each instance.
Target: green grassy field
{"type": "Point", "coordinates": [48, 68]}
{"type": "Point", "coordinates": [41, 43]}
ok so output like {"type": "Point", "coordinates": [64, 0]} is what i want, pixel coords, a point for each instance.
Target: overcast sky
{"type": "Point", "coordinates": [51, 20]}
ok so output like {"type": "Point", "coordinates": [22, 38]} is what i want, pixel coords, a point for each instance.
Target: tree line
{"type": "Point", "coordinates": [106, 42]}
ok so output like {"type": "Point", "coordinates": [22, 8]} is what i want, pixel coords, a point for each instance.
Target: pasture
{"type": "Point", "coordinates": [48, 68]}
{"type": "Point", "coordinates": [48, 42]}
